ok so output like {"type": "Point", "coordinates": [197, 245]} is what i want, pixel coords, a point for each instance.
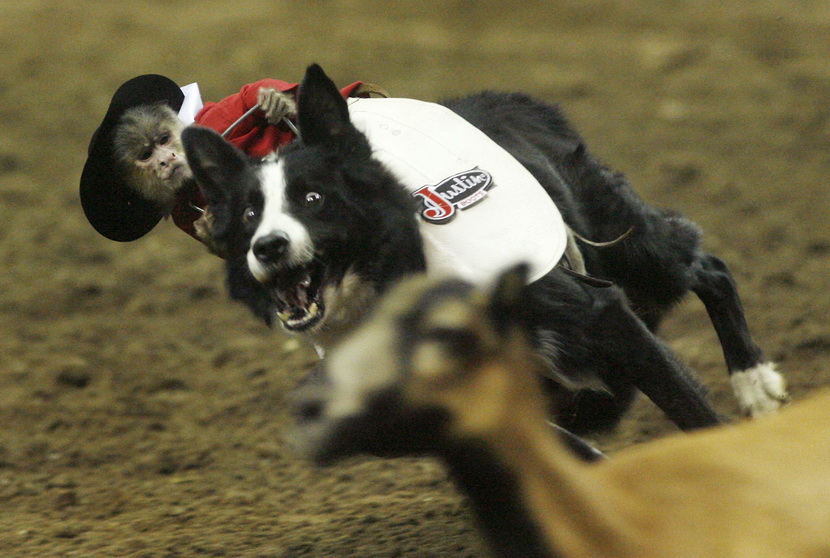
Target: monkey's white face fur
{"type": "Point", "coordinates": [148, 145]}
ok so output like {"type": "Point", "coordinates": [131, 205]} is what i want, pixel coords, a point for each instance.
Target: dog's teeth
{"type": "Point", "coordinates": [312, 309]}
{"type": "Point", "coordinates": [284, 316]}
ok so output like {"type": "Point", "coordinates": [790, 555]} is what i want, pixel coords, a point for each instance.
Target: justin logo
{"type": "Point", "coordinates": [441, 201]}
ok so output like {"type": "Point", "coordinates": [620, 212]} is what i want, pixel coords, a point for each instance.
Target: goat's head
{"type": "Point", "coordinates": [437, 361]}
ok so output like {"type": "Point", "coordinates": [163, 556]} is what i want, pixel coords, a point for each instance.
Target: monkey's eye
{"type": "Point", "coordinates": [145, 154]}
{"type": "Point", "coordinates": [164, 139]}
{"type": "Point", "coordinates": [313, 200]}
{"type": "Point", "coordinates": [249, 215]}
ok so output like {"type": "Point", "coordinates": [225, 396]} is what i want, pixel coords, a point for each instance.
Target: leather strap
{"type": "Point", "coordinates": [370, 90]}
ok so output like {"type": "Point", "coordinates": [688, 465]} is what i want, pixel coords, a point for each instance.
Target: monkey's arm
{"type": "Point", "coordinates": [254, 135]}
{"type": "Point", "coordinates": [275, 104]}
{"type": "Point", "coordinates": [219, 116]}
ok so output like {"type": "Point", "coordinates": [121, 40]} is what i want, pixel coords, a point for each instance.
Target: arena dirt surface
{"type": "Point", "coordinates": [143, 414]}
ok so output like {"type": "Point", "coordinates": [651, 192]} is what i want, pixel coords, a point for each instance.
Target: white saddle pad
{"type": "Point", "coordinates": [482, 210]}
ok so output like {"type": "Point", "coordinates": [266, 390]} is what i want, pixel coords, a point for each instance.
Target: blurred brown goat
{"type": "Point", "coordinates": [442, 368]}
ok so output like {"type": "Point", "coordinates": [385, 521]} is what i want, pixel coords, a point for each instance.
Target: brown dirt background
{"type": "Point", "coordinates": [143, 414]}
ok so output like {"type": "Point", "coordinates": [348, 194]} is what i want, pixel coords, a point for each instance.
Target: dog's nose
{"type": "Point", "coordinates": [270, 248]}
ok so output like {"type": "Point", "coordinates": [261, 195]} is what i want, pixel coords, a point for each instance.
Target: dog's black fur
{"type": "Point", "coordinates": [366, 228]}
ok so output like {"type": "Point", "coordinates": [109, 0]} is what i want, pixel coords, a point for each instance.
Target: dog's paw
{"type": "Point", "coordinates": [275, 104]}
{"type": "Point", "coordinates": [760, 390]}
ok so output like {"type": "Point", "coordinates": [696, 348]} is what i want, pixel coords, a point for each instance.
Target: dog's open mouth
{"type": "Point", "coordinates": [297, 294]}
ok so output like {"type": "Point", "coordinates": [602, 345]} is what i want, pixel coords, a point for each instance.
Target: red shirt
{"type": "Point", "coordinates": [254, 135]}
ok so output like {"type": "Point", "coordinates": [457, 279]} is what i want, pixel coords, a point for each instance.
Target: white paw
{"type": "Point", "coordinates": [760, 390]}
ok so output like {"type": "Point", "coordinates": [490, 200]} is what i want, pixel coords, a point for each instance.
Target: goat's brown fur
{"type": "Point", "coordinates": [759, 489]}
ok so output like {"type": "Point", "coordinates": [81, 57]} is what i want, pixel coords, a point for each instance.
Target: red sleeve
{"type": "Point", "coordinates": [254, 135]}
{"type": "Point", "coordinates": [219, 116]}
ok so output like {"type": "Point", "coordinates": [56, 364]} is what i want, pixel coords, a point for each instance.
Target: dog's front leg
{"type": "Point", "coordinates": [759, 388]}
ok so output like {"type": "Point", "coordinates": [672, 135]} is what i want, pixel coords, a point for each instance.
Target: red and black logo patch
{"type": "Point", "coordinates": [440, 202]}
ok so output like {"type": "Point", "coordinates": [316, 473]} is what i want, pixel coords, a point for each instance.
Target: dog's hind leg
{"type": "Point", "coordinates": [638, 356]}
{"type": "Point", "coordinates": [759, 388]}
{"type": "Point", "coordinates": [588, 411]}
{"type": "Point", "coordinates": [598, 335]}
{"type": "Point", "coordinates": [659, 263]}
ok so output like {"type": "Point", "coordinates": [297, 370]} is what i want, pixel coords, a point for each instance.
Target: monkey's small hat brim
{"type": "Point", "coordinates": [113, 208]}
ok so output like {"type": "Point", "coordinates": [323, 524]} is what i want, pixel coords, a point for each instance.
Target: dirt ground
{"type": "Point", "coordinates": [144, 414]}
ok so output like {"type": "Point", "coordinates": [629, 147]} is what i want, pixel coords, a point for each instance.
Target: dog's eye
{"type": "Point", "coordinates": [313, 199]}
{"type": "Point", "coordinates": [249, 215]}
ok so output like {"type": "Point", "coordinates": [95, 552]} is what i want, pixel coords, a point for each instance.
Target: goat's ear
{"type": "Point", "coordinates": [216, 164]}
{"type": "Point", "coordinates": [322, 112]}
{"type": "Point", "coordinates": [506, 297]}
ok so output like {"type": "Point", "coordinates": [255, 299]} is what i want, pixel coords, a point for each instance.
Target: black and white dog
{"type": "Point", "coordinates": [316, 232]}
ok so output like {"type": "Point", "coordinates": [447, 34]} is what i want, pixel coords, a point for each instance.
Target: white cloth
{"type": "Point", "coordinates": [192, 103]}
{"type": "Point", "coordinates": [426, 144]}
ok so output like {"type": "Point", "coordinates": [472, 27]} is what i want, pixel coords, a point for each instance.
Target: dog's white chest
{"type": "Point", "coordinates": [482, 210]}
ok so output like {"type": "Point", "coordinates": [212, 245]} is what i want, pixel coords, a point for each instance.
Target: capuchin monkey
{"type": "Point", "coordinates": [148, 148]}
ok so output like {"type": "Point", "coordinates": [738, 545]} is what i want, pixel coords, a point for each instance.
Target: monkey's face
{"type": "Point", "coordinates": [148, 145]}
{"type": "Point", "coordinates": [164, 158]}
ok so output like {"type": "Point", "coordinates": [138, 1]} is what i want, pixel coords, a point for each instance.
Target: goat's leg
{"type": "Point", "coordinates": [759, 388]}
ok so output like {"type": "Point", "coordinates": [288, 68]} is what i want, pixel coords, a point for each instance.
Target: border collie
{"type": "Point", "coordinates": [316, 232]}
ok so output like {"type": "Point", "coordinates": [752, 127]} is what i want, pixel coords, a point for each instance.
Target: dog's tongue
{"type": "Point", "coordinates": [295, 298]}
{"type": "Point", "coordinates": [296, 295]}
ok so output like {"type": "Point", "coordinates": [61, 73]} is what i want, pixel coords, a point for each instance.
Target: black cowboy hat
{"type": "Point", "coordinates": [113, 208]}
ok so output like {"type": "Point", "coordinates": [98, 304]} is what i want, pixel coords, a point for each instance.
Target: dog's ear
{"type": "Point", "coordinates": [505, 303]}
{"type": "Point", "coordinates": [217, 165]}
{"type": "Point", "coordinates": [322, 112]}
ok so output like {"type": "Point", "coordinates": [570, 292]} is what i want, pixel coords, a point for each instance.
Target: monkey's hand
{"type": "Point", "coordinates": [204, 230]}
{"type": "Point", "coordinates": [275, 104]}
